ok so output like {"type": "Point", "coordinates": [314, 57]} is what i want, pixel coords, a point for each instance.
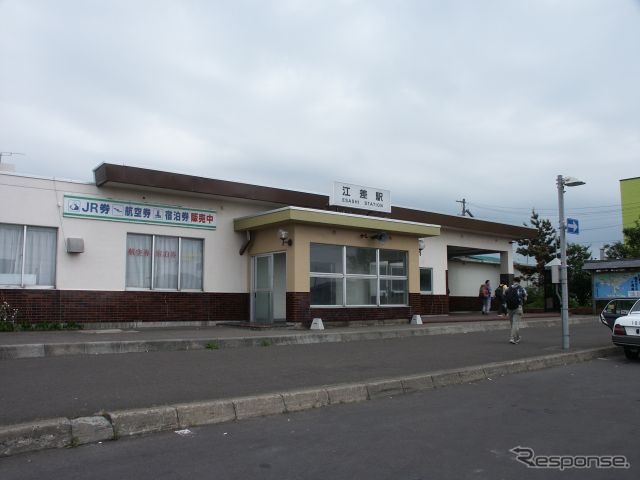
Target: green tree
{"type": "Point", "coordinates": [543, 247]}
{"type": "Point", "coordinates": [630, 248]}
{"type": "Point", "coordinates": [579, 280]}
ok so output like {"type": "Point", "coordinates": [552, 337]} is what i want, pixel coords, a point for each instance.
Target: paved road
{"type": "Point", "coordinates": [460, 432]}
{"type": "Point", "coordinates": [76, 386]}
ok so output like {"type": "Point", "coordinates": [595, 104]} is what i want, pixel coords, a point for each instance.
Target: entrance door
{"type": "Point", "coordinates": [268, 288]}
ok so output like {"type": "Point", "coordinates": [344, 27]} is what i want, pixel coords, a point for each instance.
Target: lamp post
{"type": "Point", "coordinates": [564, 312]}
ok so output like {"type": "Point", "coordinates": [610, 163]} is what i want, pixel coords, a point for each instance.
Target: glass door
{"type": "Point", "coordinates": [262, 289]}
{"type": "Point", "coordinates": [268, 292]}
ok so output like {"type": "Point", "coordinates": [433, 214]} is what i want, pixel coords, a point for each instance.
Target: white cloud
{"type": "Point", "coordinates": [432, 100]}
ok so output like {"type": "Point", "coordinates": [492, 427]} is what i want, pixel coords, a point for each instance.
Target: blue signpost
{"type": "Point", "coordinates": [573, 226]}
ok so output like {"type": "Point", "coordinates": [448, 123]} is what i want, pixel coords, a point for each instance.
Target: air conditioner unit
{"type": "Point", "coordinates": [75, 245]}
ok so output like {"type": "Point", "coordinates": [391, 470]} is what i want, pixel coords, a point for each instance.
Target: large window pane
{"type": "Point", "coordinates": [393, 262]}
{"type": "Point", "coordinates": [40, 260]}
{"type": "Point", "coordinates": [191, 264]}
{"type": "Point", "coordinates": [393, 292]}
{"type": "Point", "coordinates": [166, 263]}
{"type": "Point", "coordinates": [326, 291]}
{"type": "Point", "coordinates": [361, 270]}
{"type": "Point", "coordinates": [326, 258]}
{"type": "Point", "coordinates": [11, 254]}
{"type": "Point", "coordinates": [37, 261]}
{"type": "Point", "coordinates": [361, 291]}
{"type": "Point", "coordinates": [139, 249]}
{"type": "Point", "coordinates": [164, 256]}
{"type": "Point", "coordinates": [361, 261]}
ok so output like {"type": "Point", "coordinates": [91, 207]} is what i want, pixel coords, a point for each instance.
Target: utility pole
{"type": "Point", "coordinates": [465, 210]}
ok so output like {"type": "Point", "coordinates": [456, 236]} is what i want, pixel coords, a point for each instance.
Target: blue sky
{"type": "Point", "coordinates": [433, 100]}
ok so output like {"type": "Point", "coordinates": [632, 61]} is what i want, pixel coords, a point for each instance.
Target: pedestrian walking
{"type": "Point", "coordinates": [515, 296]}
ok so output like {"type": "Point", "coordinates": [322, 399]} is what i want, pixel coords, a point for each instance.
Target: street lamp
{"type": "Point", "coordinates": [564, 312]}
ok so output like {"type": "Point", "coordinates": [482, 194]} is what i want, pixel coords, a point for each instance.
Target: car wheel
{"type": "Point", "coordinates": [630, 353]}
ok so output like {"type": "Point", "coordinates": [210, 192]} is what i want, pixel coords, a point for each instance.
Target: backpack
{"type": "Point", "coordinates": [500, 293]}
{"type": "Point", "coordinates": [512, 297]}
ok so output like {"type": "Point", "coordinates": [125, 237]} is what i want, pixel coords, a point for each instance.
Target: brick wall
{"type": "Point", "coordinates": [36, 306]}
{"type": "Point", "coordinates": [468, 304]}
{"type": "Point", "coordinates": [434, 305]}
{"type": "Point", "coordinates": [298, 310]}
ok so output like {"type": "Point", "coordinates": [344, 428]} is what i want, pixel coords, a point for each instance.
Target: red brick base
{"type": "Point", "coordinates": [298, 309]}
{"type": "Point", "coordinates": [35, 306]}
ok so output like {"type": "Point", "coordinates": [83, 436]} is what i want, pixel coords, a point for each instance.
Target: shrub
{"type": "Point", "coordinates": [8, 316]}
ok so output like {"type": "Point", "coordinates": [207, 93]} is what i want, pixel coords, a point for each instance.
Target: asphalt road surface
{"type": "Point", "coordinates": [74, 386]}
{"type": "Point", "coordinates": [459, 432]}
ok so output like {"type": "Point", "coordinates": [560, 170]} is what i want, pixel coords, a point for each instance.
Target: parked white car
{"type": "Point", "coordinates": [626, 332]}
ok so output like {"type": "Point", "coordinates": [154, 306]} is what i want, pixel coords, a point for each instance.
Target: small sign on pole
{"type": "Point", "coordinates": [573, 226]}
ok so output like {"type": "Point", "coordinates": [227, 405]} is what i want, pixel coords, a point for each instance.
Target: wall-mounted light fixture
{"type": "Point", "coordinates": [380, 236]}
{"type": "Point", "coordinates": [421, 245]}
{"type": "Point", "coordinates": [284, 236]}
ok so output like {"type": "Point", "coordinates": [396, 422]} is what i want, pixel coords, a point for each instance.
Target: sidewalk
{"type": "Point", "coordinates": [96, 341]}
{"type": "Point", "coordinates": [81, 397]}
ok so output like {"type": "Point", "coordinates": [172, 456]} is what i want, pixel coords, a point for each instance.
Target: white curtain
{"type": "Point", "coordinates": [191, 264]}
{"type": "Point", "coordinates": [139, 254]}
{"type": "Point", "coordinates": [166, 263]}
{"type": "Point", "coordinates": [11, 254]}
{"type": "Point", "coordinates": [40, 260]}
{"type": "Point", "coordinates": [166, 253]}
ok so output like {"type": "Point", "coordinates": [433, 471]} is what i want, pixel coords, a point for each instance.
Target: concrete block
{"type": "Point", "coordinates": [305, 399]}
{"type": "Point", "coordinates": [385, 388]}
{"type": "Point", "coordinates": [317, 324]}
{"type": "Point", "coordinates": [444, 379]}
{"type": "Point", "coordinates": [205, 413]}
{"type": "Point", "coordinates": [30, 350]}
{"type": "Point", "coordinates": [536, 364]}
{"type": "Point", "coordinates": [38, 435]}
{"type": "Point", "coordinates": [258, 406]}
{"type": "Point", "coordinates": [347, 393]}
{"type": "Point", "coordinates": [143, 420]}
{"type": "Point", "coordinates": [417, 383]}
{"type": "Point", "coordinates": [90, 429]}
{"type": "Point", "coordinates": [61, 349]}
{"type": "Point", "coordinates": [504, 368]}
{"type": "Point", "coordinates": [472, 374]}
{"type": "Point", "coordinates": [554, 360]}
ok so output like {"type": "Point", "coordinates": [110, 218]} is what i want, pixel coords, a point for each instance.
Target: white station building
{"type": "Point", "coordinates": [140, 245]}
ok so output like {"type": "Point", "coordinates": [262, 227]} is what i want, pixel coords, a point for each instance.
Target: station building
{"type": "Point", "coordinates": [140, 245]}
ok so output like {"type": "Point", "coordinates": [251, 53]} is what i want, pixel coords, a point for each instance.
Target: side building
{"type": "Point", "coordinates": [141, 245]}
{"type": "Point", "coordinates": [630, 201]}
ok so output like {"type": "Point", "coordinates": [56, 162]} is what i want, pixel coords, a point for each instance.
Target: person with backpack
{"type": "Point", "coordinates": [485, 297]}
{"type": "Point", "coordinates": [500, 300]}
{"type": "Point", "coordinates": [515, 296]}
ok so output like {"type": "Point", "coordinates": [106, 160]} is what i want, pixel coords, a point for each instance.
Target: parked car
{"type": "Point", "coordinates": [626, 332]}
{"type": "Point", "coordinates": [616, 308]}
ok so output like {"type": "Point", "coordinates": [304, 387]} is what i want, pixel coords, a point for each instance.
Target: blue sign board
{"type": "Point", "coordinates": [573, 226]}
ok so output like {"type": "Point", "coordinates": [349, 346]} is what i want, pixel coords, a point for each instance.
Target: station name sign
{"type": "Point", "coordinates": [358, 196]}
{"type": "Point", "coordinates": [126, 211]}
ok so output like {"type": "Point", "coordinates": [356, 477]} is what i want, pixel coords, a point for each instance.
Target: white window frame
{"type": "Point", "coordinates": [153, 264]}
{"type": "Point", "coordinates": [344, 276]}
{"type": "Point", "coordinates": [22, 273]}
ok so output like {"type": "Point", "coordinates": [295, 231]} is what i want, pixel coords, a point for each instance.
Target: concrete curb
{"type": "Point", "coordinates": [38, 350]}
{"type": "Point", "coordinates": [64, 432]}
